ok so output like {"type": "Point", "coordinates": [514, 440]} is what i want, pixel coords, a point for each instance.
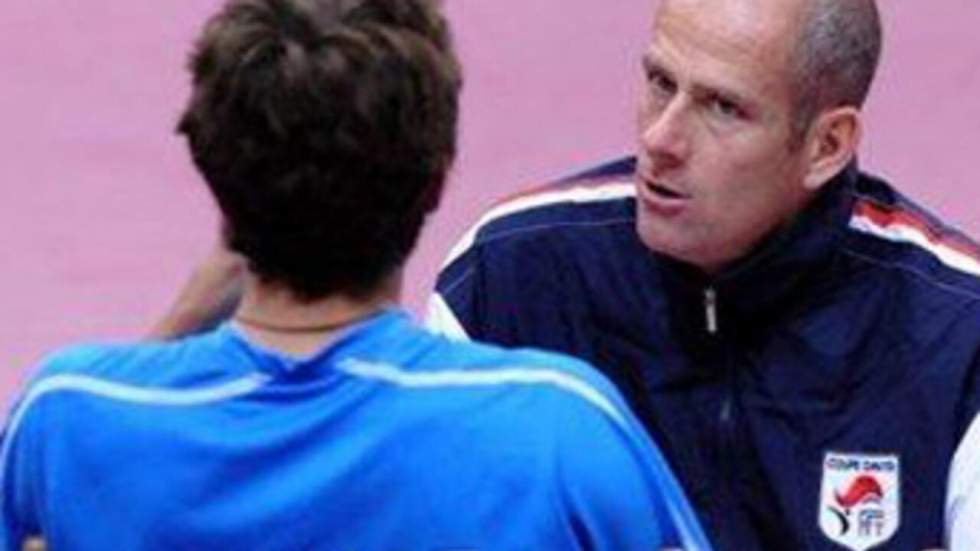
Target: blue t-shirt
{"type": "Point", "coordinates": [389, 439]}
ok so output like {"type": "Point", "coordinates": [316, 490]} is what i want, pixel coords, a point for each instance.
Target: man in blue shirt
{"type": "Point", "coordinates": [320, 417]}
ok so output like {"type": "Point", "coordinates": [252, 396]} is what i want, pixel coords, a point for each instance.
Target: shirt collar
{"type": "Point", "coordinates": [361, 338]}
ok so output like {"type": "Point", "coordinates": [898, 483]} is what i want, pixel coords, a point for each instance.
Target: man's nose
{"type": "Point", "coordinates": [666, 135]}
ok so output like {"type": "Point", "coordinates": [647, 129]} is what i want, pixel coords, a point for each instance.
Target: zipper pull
{"type": "Point", "coordinates": [711, 310]}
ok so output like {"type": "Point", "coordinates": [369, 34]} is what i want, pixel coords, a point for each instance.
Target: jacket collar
{"type": "Point", "coordinates": [777, 272]}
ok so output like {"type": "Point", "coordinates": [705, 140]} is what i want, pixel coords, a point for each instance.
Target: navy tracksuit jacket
{"type": "Point", "coordinates": [811, 397]}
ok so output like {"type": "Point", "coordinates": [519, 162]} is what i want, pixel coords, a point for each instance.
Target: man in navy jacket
{"type": "Point", "coordinates": [802, 340]}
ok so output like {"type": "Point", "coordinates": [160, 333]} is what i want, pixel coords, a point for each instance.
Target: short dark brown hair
{"type": "Point", "coordinates": [325, 130]}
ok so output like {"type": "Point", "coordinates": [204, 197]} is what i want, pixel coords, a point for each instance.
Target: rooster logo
{"type": "Point", "coordinates": [864, 489]}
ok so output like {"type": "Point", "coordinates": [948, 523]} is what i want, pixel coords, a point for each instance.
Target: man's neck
{"type": "Point", "coordinates": [273, 316]}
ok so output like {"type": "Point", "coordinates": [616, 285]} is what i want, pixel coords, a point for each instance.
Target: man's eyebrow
{"type": "Point", "coordinates": [652, 62]}
{"type": "Point", "coordinates": [652, 57]}
{"type": "Point", "coordinates": [708, 89]}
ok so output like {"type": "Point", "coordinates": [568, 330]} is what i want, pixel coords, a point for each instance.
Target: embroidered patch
{"type": "Point", "coordinates": [860, 505]}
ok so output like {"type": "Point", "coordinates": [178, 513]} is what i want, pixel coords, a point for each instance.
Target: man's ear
{"type": "Point", "coordinates": [832, 144]}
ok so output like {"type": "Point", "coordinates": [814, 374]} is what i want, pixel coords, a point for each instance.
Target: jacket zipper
{"type": "Point", "coordinates": [726, 415]}
{"type": "Point", "coordinates": [711, 310]}
{"type": "Point", "coordinates": [711, 326]}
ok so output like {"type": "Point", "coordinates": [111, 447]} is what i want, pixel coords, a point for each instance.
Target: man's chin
{"type": "Point", "coordinates": [670, 241]}
{"type": "Point", "coordinates": [659, 237]}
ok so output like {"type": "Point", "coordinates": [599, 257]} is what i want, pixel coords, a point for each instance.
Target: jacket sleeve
{"type": "Point", "coordinates": [615, 487]}
{"type": "Point", "coordinates": [963, 494]}
{"type": "Point", "coordinates": [505, 288]}
{"type": "Point", "coordinates": [963, 497]}
{"type": "Point", "coordinates": [442, 318]}
{"type": "Point", "coordinates": [455, 308]}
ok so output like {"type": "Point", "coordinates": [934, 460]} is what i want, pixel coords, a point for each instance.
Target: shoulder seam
{"type": "Point", "coordinates": [911, 270]}
{"type": "Point", "coordinates": [873, 219]}
{"type": "Point", "coordinates": [530, 229]}
{"type": "Point", "coordinates": [575, 194]}
{"type": "Point", "coordinates": [123, 393]}
{"type": "Point", "coordinates": [514, 375]}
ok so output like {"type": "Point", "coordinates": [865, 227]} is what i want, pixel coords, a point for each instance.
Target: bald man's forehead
{"type": "Point", "coordinates": [723, 46]}
{"type": "Point", "coordinates": [765, 30]}
{"type": "Point", "coordinates": [769, 21]}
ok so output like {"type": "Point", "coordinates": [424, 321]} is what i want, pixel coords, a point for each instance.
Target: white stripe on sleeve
{"type": "Point", "coordinates": [440, 319]}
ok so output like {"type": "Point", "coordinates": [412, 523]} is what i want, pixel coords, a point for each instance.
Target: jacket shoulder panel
{"type": "Point", "coordinates": [591, 197]}
{"type": "Point", "coordinates": [895, 231]}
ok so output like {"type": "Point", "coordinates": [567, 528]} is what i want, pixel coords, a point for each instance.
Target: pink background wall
{"type": "Point", "coordinates": [102, 215]}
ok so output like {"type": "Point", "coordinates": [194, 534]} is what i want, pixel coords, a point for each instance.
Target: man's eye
{"type": "Point", "coordinates": [726, 108]}
{"type": "Point", "coordinates": [660, 83]}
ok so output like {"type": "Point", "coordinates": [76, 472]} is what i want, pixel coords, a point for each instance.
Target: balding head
{"type": "Point", "coordinates": [830, 48]}
{"type": "Point", "coordinates": [751, 107]}
{"type": "Point", "coordinates": [835, 58]}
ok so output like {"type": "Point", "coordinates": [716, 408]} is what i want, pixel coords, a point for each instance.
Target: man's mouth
{"type": "Point", "coordinates": [662, 199]}
{"type": "Point", "coordinates": [664, 192]}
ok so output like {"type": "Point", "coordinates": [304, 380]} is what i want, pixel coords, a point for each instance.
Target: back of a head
{"type": "Point", "coordinates": [324, 129]}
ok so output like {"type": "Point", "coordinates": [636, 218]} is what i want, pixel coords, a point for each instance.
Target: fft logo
{"type": "Point", "coordinates": [860, 505]}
